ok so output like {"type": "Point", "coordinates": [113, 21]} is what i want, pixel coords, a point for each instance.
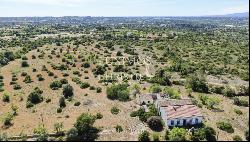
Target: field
{"type": "Point", "coordinates": [175, 56]}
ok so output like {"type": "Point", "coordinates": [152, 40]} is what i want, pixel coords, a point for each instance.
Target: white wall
{"type": "Point", "coordinates": [189, 121]}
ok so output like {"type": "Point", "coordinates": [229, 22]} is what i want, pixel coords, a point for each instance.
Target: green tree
{"type": "Point", "coordinates": [144, 136]}
{"type": "Point", "coordinates": [68, 91]}
{"type": "Point", "coordinates": [178, 134]}
{"type": "Point", "coordinates": [41, 132]}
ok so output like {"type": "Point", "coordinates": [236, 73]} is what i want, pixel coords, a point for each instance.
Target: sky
{"type": "Point", "coordinates": [22, 8]}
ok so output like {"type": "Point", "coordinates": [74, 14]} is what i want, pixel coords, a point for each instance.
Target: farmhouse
{"type": "Point", "coordinates": [151, 98]}
{"type": "Point", "coordinates": [179, 112]}
{"type": "Point", "coordinates": [173, 112]}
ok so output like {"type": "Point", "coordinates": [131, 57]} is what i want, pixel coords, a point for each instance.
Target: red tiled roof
{"type": "Point", "coordinates": [185, 111]}
{"type": "Point", "coordinates": [173, 102]}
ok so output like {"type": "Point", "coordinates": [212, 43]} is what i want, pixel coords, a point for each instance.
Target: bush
{"type": "Point", "coordinates": [55, 85]}
{"type": "Point", "coordinates": [86, 65]}
{"type": "Point", "coordinates": [84, 85]}
{"type": "Point", "coordinates": [41, 132]}
{"type": "Point", "coordinates": [24, 64]}
{"type": "Point", "coordinates": [23, 73]}
{"type": "Point", "coordinates": [7, 119]}
{"type": "Point", "coordinates": [17, 87]}
{"type": "Point", "coordinates": [6, 97]}
{"type": "Point", "coordinates": [99, 116]}
{"type": "Point", "coordinates": [27, 79]}
{"type": "Point", "coordinates": [35, 97]}
{"type": "Point", "coordinates": [59, 110]}
{"type": "Point", "coordinates": [247, 134]}
{"type": "Point", "coordinates": [115, 110]}
{"type": "Point", "coordinates": [85, 128]}
{"type": "Point", "coordinates": [72, 134]}
{"type": "Point", "coordinates": [178, 134]}
{"type": "Point", "coordinates": [225, 126]}
{"type": "Point", "coordinates": [197, 83]}
{"type": "Point", "coordinates": [144, 136]}
{"type": "Point", "coordinates": [155, 88]}
{"type": "Point", "coordinates": [237, 111]}
{"type": "Point", "coordinates": [239, 102]}
{"type": "Point", "coordinates": [64, 81]}
{"type": "Point", "coordinates": [40, 77]}
{"type": "Point", "coordinates": [161, 77]}
{"type": "Point", "coordinates": [173, 94]}
{"type": "Point", "coordinates": [68, 91]}
{"type": "Point", "coordinates": [155, 123]}
{"type": "Point", "coordinates": [210, 133]}
{"type": "Point", "coordinates": [118, 128]}
{"type": "Point", "coordinates": [98, 90]}
{"type": "Point", "coordinates": [237, 138]}
{"type": "Point", "coordinates": [229, 92]}
{"type": "Point", "coordinates": [77, 103]}
{"type": "Point", "coordinates": [118, 92]}
{"type": "Point", "coordinates": [62, 102]}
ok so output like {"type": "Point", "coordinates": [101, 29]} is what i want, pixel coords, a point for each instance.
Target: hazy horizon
{"type": "Point", "coordinates": [119, 8]}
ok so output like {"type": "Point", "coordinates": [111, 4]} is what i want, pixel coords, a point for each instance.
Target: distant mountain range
{"type": "Point", "coordinates": [244, 14]}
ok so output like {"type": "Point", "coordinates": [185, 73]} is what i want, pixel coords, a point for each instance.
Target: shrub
{"type": "Point", "coordinates": [41, 132]}
{"type": "Point", "coordinates": [62, 102]}
{"type": "Point", "coordinates": [84, 85]}
{"type": "Point", "coordinates": [77, 103]}
{"type": "Point", "coordinates": [55, 85]}
{"type": "Point", "coordinates": [86, 65]}
{"type": "Point", "coordinates": [247, 134]}
{"type": "Point", "coordinates": [155, 88]}
{"type": "Point", "coordinates": [27, 79]}
{"type": "Point", "coordinates": [23, 73]}
{"type": "Point", "coordinates": [64, 81]}
{"type": "Point", "coordinates": [85, 128]}
{"type": "Point", "coordinates": [72, 134]}
{"type": "Point", "coordinates": [99, 70]}
{"type": "Point", "coordinates": [68, 91]}
{"type": "Point", "coordinates": [210, 133]}
{"type": "Point", "coordinates": [40, 77]}
{"type": "Point", "coordinates": [35, 97]}
{"type": "Point", "coordinates": [225, 126]}
{"type": "Point", "coordinates": [156, 137]}
{"type": "Point", "coordinates": [237, 138]}
{"type": "Point", "coordinates": [237, 111]}
{"type": "Point", "coordinates": [161, 77]}
{"type": "Point", "coordinates": [229, 92]}
{"type": "Point", "coordinates": [197, 83]}
{"type": "Point", "coordinates": [59, 110]}
{"type": "Point", "coordinates": [99, 116]}
{"type": "Point", "coordinates": [144, 136]}
{"type": "Point", "coordinates": [173, 94]}
{"type": "Point", "coordinates": [7, 119]}
{"type": "Point", "coordinates": [118, 92]}
{"type": "Point", "coordinates": [178, 134]}
{"type": "Point", "coordinates": [17, 87]}
{"type": "Point", "coordinates": [24, 64]}
{"type": "Point", "coordinates": [115, 110]}
{"type": "Point", "coordinates": [48, 100]}
{"type": "Point", "coordinates": [98, 90]}
{"type": "Point", "coordinates": [24, 58]}
{"type": "Point", "coordinates": [239, 102]}
{"type": "Point", "coordinates": [6, 97]}
{"type": "Point", "coordinates": [155, 123]}
{"type": "Point", "coordinates": [50, 73]}
{"type": "Point", "coordinates": [92, 88]}
{"type": "Point", "coordinates": [118, 128]}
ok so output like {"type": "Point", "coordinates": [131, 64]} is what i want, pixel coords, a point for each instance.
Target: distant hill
{"type": "Point", "coordinates": [245, 14]}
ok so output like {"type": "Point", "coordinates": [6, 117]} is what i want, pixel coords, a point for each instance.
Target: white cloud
{"type": "Point", "coordinates": [236, 9]}
{"type": "Point", "coordinates": [67, 3]}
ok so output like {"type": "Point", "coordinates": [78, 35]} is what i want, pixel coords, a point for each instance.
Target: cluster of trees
{"type": "Point", "coordinates": [118, 92]}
